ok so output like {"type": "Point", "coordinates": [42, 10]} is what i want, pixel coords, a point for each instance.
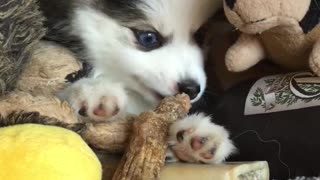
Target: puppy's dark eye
{"type": "Point", "coordinates": [148, 40]}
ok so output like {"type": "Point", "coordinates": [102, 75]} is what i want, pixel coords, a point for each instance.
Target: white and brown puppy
{"type": "Point", "coordinates": [140, 51]}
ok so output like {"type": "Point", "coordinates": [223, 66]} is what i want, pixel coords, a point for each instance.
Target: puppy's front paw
{"type": "Point", "coordinates": [196, 139]}
{"type": "Point", "coordinates": [97, 99]}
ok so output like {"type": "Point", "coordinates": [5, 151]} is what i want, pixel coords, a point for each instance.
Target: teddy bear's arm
{"type": "Point", "coordinates": [245, 53]}
{"type": "Point", "coordinates": [314, 60]}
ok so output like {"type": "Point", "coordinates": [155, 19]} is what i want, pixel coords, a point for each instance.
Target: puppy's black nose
{"type": "Point", "coordinates": [189, 87]}
{"type": "Point", "coordinates": [231, 3]}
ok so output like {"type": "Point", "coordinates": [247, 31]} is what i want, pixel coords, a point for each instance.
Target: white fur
{"type": "Point", "coordinates": [126, 77]}
{"type": "Point", "coordinates": [92, 92]}
{"type": "Point", "coordinates": [112, 46]}
{"type": "Point", "coordinates": [200, 125]}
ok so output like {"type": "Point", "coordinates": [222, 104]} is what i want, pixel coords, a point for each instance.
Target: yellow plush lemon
{"type": "Point", "coordinates": [38, 152]}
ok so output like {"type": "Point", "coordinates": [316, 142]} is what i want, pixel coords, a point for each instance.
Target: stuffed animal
{"type": "Point", "coordinates": [37, 152]}
{"type": "Point", "coordinates": [286, 32]}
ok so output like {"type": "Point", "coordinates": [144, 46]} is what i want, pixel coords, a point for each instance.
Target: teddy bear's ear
{"type": "Point", "coordinates": [312, 17]}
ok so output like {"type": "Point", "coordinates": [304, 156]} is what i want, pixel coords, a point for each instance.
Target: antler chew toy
{"type": "Point", "coordinates": [145, 153]}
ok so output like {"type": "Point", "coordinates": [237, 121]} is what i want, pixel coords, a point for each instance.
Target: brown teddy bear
{"type": "Point", "coordinates": [286, 32]}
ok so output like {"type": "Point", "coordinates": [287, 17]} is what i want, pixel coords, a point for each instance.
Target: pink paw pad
{"type": "Point", "coordinates": [197, 143]}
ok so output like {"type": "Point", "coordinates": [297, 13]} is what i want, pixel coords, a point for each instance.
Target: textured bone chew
{"type": "Point", "coordinates": [145, 153]}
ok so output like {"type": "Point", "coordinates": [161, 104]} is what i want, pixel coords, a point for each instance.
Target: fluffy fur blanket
{"type": "Point", "coordinates": [20, 29]}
